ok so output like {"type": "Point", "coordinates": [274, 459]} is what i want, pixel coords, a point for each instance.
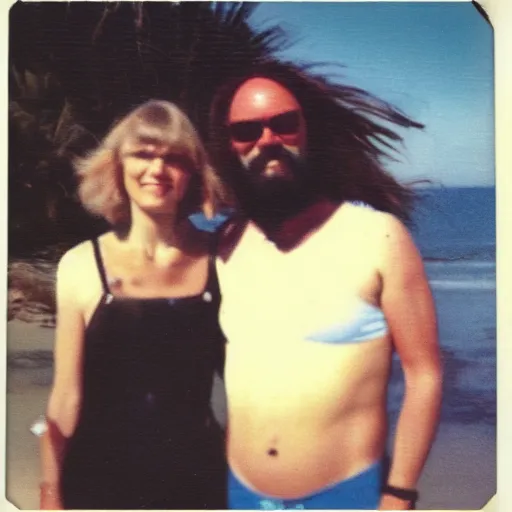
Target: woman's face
{"type": "Point", "coordinates": [154, 178]}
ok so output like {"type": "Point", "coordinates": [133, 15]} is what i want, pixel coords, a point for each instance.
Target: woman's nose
{"type": "Point", "coordinates": [156, 165]}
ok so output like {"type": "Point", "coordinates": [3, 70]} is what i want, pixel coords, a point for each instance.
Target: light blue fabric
{"type": "Point", "coordinates": [362, 203]}
{"type": "Point", "coordinates": [201, 222]}
{"type": "Point", "coordinates": [369, 323]}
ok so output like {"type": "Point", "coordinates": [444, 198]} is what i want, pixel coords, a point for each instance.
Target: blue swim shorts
{"type": "Point", "coordinates": [360, 492]}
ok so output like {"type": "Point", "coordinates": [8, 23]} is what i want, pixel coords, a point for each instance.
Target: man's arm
{"type": "Point", "coordinates": [409, 309]}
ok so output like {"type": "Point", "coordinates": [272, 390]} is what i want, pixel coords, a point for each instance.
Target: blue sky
{"type": "Point", "coordinates": [432, 60]}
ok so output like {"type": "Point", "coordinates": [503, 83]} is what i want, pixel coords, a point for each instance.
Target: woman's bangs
{"type": "Point", "coordinates": [175, 136]}
{"type": "Point", "coordinates": [144, 133]}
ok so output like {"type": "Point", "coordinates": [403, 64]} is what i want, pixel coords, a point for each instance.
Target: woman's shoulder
{"type": "Point", "coordinates": [78, 277]}
{"type": "Point", "coordinates": [75, 255]}
{"type": "Point", "coordinates": [80, 258]}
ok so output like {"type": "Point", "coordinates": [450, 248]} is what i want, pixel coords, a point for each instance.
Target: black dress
{"type": "Point", "coordinates": [146, 436]}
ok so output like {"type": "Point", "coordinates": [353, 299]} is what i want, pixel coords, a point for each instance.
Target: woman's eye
{"type": "Point", "coordinates": [177, 161]}
{"type": "Point", "coordinates": [167, 159]}
{"type": "Point", "coordinates": [172, 160]}
{"type": "Point", "coordinates": [143, 155]}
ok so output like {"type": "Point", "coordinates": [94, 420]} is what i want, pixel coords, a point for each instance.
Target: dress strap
{"type": "Point", "coordinates": [99, 264]}
{"type": "Point", "coordinates": [213, 281]}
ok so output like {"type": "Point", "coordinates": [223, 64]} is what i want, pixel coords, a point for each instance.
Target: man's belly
{"type": "Point", "coordinates": [307, 363]}
{"type": "Point", "coordinates": [305, 415]}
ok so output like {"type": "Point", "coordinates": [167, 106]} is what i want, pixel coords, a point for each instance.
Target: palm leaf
{"type": "Point", "coordinates": [76, 67]}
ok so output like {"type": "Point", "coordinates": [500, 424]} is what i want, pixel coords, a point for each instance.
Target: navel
{"type": "Point", "coordinates": [272, 451]}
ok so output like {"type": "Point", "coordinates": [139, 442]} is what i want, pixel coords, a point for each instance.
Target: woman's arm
{"type": "Point", "coordinates": [64, 402]}
{"type": "Point", "coordinates": [409, 308]}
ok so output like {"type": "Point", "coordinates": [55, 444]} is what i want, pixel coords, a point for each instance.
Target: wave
{"type": "Point", "coordinates": [458, 263]}
{"type": "Point", "coordinates": [452, 284]}
{"type": "Point", "coordinates": [455, 254]}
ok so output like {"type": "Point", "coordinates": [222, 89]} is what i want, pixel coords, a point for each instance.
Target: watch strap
{"type": "Point", "coordinates": [399, 492]}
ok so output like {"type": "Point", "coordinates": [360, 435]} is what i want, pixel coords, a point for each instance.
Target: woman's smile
{"type": "Point", "coordinates": [159, 188]}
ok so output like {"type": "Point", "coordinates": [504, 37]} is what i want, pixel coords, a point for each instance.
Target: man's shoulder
{"type": "Point", "coordinates": [359, 216]}
{"type": "Point", "coordinates": [229, 236]}
{"type": "Point", "coordinates": [359, 225]}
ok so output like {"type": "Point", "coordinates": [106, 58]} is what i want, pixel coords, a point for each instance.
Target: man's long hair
{"type": "Point", "coordinates": [349, 134]}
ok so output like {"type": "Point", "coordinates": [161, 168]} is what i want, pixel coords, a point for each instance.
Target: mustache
{"type": "Point", "coordinates": [268, 153]}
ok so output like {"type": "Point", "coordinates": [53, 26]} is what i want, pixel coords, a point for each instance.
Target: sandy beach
{"type": "Point", "coordinates": [460, 473]}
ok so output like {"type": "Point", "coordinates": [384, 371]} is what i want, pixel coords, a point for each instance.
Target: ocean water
{"type": "Point", "coordinates": [456, 224]}
{"type": "Point", "coordinates": [454, 229]}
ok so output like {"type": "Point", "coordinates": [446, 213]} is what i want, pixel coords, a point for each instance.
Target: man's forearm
{"type": "Point", "coordinates": [416, 429]}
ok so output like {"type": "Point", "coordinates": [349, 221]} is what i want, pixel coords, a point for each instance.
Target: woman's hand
{"type": "Point", "coordinates": [49, 498]}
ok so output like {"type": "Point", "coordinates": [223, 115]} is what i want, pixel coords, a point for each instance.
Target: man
{"type": "Point", "coordinates": [320, 283]}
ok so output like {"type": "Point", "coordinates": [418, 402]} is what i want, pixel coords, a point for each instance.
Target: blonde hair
{"type": "Point", "coordinates": [101, 188]}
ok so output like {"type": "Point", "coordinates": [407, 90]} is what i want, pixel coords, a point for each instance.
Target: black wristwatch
{"type": "Point", "coordinates": [410, 495]}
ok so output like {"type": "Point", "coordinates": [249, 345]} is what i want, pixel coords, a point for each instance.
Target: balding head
{"type": "Point", "coordinates": [264, 114]}
{"type": "Point", "coordinates": [260, 98]}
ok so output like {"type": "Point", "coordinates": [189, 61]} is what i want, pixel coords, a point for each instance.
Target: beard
{"type": "Point", "coordinates": [270, 200]}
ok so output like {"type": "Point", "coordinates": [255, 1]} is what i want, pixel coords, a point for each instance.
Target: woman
{"type": "Point", "coordinates": [137, 338]}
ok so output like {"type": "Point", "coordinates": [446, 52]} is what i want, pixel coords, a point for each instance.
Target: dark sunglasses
{"type": "Point", "coordinates": [250, 131]}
